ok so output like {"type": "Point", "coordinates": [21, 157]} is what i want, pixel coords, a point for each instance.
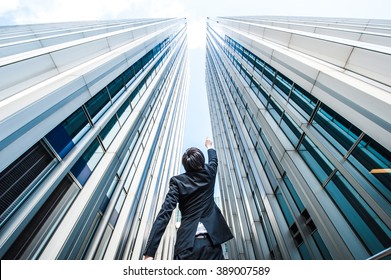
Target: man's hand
{"type": "Point", "coordinates": [148, 258]}
{"type": "Point", "coordinates": [208, 143]}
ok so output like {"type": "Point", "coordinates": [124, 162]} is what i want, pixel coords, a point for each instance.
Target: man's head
{"type": "Point", "coordinates": [193, 159]}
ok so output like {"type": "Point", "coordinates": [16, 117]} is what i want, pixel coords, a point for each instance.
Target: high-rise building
{"type": "Point", "coordinates": [301, 117]}
{"type": "Point", "coordinates": [91, 130]}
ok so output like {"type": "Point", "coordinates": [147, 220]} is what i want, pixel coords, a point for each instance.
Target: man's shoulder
{"type": "Point", "coordinates": [178, 177]}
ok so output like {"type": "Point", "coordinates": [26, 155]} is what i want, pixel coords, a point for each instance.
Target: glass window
{"type": "Point", "coordinates": [117, 209]}
{"type": "Point", "coordinates": [147, 57]}
{"type": "Point", "coordinates": [107, 198]}
{"type": "Point", "coordinates": [129, 177]}
{"type": "Point", "coordinates": [128, 75]}
{"type": "Point", "coordinates": [246, 75]}
{"type": "Point", "coordinates": [259, 65]}
{"type": "Point", "coordinates": [248, 56]}
{"type": "Point", "coordinates": [87, 162]}
{"type": "Point", "coordinates": [305, 254]}
{"type": "Point", "coordinates": [338, 131]}
{"type": "Point", "coordinates": [142, 87]}
{"type": "Point", "coordinates": [104, 242]}
{"type": "Point", "coordinates": [262, 95]}
{"type": "Point", "coordinates": [124, 112]}
{"type": "Point", "coordinates": [124, 161]}
{"type": "Point", "coordinates": [137, 66]}
{"type": "Point", "coordinates": [253, 136]}
{"type": "Point", "coordinates": [109, 132]}
{"type": "Point", "coordinates": [64, 136]}
{"type": "Point", "coordinates": [274, 109]}
{"type": "Point", "coordinates": [284, 207]}
{"type": "Point", "coordinates": [238, 48]}
{"type": "Point", "coordinates": [265, 140]}
{"type": "Point", "coordinates": [98, 104]}
{"type": "Point", "coordinates": [38, 231]}
{"type": "Point", "coordinates": [375, 235]}
{"type": "Point", "coordinates": [283, 85]}
{"type": "Point", "coordinates": [291, 129]}
{"type": "Point", "coordinates": [260, 153]}
{"type": "Point", "coordinates": [316, 161]}
{"type": "Point", "coordinates": [116, 87]}
{"type": "Point", "coordinates": [293, 193]}
{"type": "Point", "coordinates": [268, 74]}
{"type": "Point", "coordinates": [304, 103]}
{"type": "Point", "coordinates": [321, 246]}
{"type": "Point", "coordinates": [369, 156]}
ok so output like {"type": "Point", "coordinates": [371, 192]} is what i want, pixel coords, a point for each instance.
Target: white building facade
{"type": "Point", "coordinates": [301, 116]}
{"type": "Point", "coordinates": [91, 129]}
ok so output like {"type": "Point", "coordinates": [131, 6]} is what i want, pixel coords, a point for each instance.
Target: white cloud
{"type": "Point", "coordinates": [8, 6]}
{"type": "Point", "coordinates": [167, 8]}
{"type": "Point", "coordinates": [40, 11]}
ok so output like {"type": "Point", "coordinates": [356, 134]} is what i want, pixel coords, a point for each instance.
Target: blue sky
{"type": "Point", "coordinates": [198, 124]}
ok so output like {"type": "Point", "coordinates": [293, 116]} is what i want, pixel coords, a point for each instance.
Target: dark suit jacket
{"type": "Point", "coordinates": [194, 192]}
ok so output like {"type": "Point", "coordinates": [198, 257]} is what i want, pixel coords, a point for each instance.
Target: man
{"type": "Point", "coordinates": [203, 228]}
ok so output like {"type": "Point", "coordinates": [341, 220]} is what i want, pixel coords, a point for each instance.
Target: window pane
{"type": "Point", "coordinates": [293, 193]}
{"type": "Point", "coordinates": [116, 87]}
{"type": "Point", "coordinates": [259, 65]}
{"type": "Point", "coordinates": [104, 242]}
{"type": "Point", "coordinates": [124, 112]}
{"type": "Point", "coordinates": [268, 74]}
{"type": "Point", "coordinates": [321, 246]}
{"type": "Point", "coordinates": [274, 109]}
{"type": "Point", "coordinates": [338, 131]}
{"type": "Point", "coordinates": [375, 235]}
{"type": "Point", "coordinates": [283, 85]}
{"type": "Point", "coordinates": [87, 162]}
{"type": "Point", "coordinates": [303, 101]}
{"type": "Point", "coordinates": [117, 209]}
{"type": "Point", "coordinates": [260, 153]}
{"type": "Point", "coordinates": [291, 129]}
{"type": "Point", "coordinates": [305, 254]}
{"type": "Point", "coordinates": [316, 161]}
{"type": "Point", "coordinates": [108, 195]}
{"type": "Point", "coordinates": [370, 155]}
{"type": "Point", "coordinates": [97, 105]}
{"type": "Point", "coordinates": [128, 75]}
{"type": "Point", "coordinates": [64, 136]}
{"type": "Point", "coordinates": [137, 66]}
{"type": "Point", "coordinates": [284, 207]}
{"type": "Point", "coordinates": [109, 132]}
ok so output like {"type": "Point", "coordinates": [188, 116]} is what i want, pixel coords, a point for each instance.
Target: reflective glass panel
{"type": "Point", "coordinates": [303, 102]}
{"type": "Point", "coordinates": [338, 131]}
{"type": "Point", "coordinates": [109, 131]}
{"type": "Point", "coordinates": [316, 161]}
{"type": "Point", "coordinates": [284, 207]}
{"type": "Point", "coordinates": [291, 129]}
{"type": "Point", "coordinates": [375, 235]}
{"type": "Point", "coordinates": [369, 156]}
{"type": "Point", "coordinates": [97, 105]}
{"type": "Point", "coordinates": [87, 162]}
{"type": "Point", "coordinates": [64, 136]}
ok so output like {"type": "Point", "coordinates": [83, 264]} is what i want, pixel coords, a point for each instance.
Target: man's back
{"type": "Point", "coordinates": [194, 191]}
{"type": "Point", "coordinates": [197, 204]}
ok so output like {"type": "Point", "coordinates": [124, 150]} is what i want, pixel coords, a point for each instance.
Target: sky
{"type": "Point", "coordinates": [13, 12]}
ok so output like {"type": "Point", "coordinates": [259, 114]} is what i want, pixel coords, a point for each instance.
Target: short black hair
{"type": "Point", "coordinates": [193, 159]}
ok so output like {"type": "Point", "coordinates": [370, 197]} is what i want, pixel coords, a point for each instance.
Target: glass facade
{"type": "Point", "coordinates": [87, 182]}
{"type": "Point", "coordinates": [262, 104]}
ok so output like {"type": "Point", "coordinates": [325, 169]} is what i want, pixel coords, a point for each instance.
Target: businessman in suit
{"type": "Point", "coordinates": [203, 228]}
